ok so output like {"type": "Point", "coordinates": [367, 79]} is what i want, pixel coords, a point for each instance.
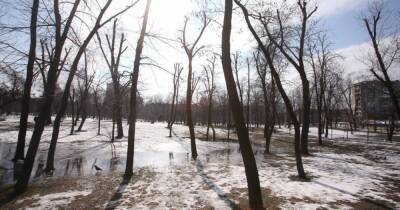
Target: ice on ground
{"type": "Point", "coordinates": [171, 179]}
{"type": "Point", "coordinates": [56, 200]}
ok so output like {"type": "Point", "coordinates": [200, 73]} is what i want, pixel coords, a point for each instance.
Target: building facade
{"type": "Point", "coordinates": [371, 100]}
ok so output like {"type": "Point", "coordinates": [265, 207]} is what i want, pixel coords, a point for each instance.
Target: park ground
{"type": "Point", "coordinates": [349, 171]}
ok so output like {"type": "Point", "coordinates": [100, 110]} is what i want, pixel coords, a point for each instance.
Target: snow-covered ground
{"type": "Point", "coordinates": [345, 174]}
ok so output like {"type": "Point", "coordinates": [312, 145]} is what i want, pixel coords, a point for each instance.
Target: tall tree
{"type": "Point", "coordinates": [266, 50]}
{"type": "Point", "coordinates": [72, 100]}
{"type": "Point", "coordinates": [248, 94]}
{"type": "Point", "coordinates": [133, 100]}
{"type": "Point", "coordinates": [320, 58]}
{"type": "Point", "coordinates": [269, 100]}
{"type": "Point", "coordinates": [113, 64]}
{"type": "Point", "coordinates": [386, 51]}
{"type": "Point", "coordinates": [23, 122]}
{"type": "Point", "coordinates": [191, 51]}
{"type": "Point", "coordinates": [295, 54]}
{"type": "Point", "coordinates": [346, 90]}
{"type": "Point", "coordinates": [253, 182]}
{"type": "Point", "coordinates": [64, 101]}
{"type": "Point", "coordinates": [236, 62]}
{"type": "Point", "coordinates": [88, 80]}
{"type": "Point", "coordinates": [209, 73]}
{"type": "Point", "coordinates": [61, 34]}
{"type": "Point", "coordinates": [175, 95]}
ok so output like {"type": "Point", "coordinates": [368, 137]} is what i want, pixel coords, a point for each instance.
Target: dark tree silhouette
{"type": "Point", "coordinates": [269, 100]}
{"type": "Point", "coordinates": [191, 52]}
{"type": "Point", "coordinates": [52, 75]}
{"type": "Point", "coordinates": [133, 100]}
{"type": "Point", "coordinates": [23, 122]}
{"type": "Point", "coordinates": [385, 55]}
{"type": "Point", "coordinates": [209, 73]}
{"type": "Point", "coordinates": [289, 107]}
{"type": "Point", "coordinates": [113, 64]}
{"type": "Point", "coordinates": [295, 56]}
{"type": "Point", "coordinates": [253, 182]}
{"type": "Point", "coordinates": [175, 96]}
{"type": "Point", "coordinates": [64, 101]}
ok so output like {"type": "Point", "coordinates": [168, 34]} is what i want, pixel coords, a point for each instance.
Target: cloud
{"type": "Point", "coordinates": [352, 59]}
{"type": "Point", "coordinates": [355, 62]}
{"type": "Point", "coordinates": [329, 7]}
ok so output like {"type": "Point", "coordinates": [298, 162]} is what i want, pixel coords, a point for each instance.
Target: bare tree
{"type": "Point", "coordinates": [269, 100]}
{"type": "Point", "coordinates": [346, 90]}
{"type": "Point", "coordinates": [236, 62]}
{"type": "Point", "coordinates": [97, 92]}
{"type": "Point", "coordinates": [88, 80]}
{"type": "Point", "coordinates": [11, 88]}
{"type": "Point", "coordinates": [60, 37]}
{"type": "Point", "coordinates": [253, 182]}
{"type": "Point", "coordinates": [320, 58]}
{"type": "Point", "coordinates": [23, 122]}
{"type": "Point", "coordinates": [386, 51]}
{"type": "Point", "coordinates": [64, 101]}
{"type": "Point", "coordinates": [266, 50]}
{"type": "Point", "coordinates": [248, 94]}
{"type": "Point", "coordinates": [295, 54]}
{"type": "Point", "coordinates": [113, 64]}
{"type": "Point", "coordinates": [176, 82]}
{"type": "Point", "coordinates": [133, 91]}
{"type": "Point", "coordinates": [191, 52]}
{"type": "Point", "coordinates": [209, 83]}
{"type": "Point", "coordinates": [72, 100]}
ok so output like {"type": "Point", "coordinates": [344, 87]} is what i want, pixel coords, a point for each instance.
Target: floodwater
{"type": "Point", "coordinates": [74, 159]}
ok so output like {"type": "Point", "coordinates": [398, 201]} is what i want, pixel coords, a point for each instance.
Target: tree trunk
{"type": "Point", "coordinates": [286, 99]}
{"type": "Point", "coordinates": [171, 114]}
{"type": "Point", "coordinates": [72, 112]}
{"type": "Point", "coordinates": [306, 115]}
{"type": "Point", "coordinates": [133, 99]}
{"type": "Point", "coordinates": [319, 125]}
{"type": "Point", "coordinates": [84, 108]}
{"type": "Point", "coordinates": [78, 112]}
{"type": "Point", "coordinates": [23, 122]}
{"type": "Point", "coordinates": [118, 112]}
{"type": "Point", "coordinates": [66, 93]}
{"type": "Point", "coordinates": [253, 182]}
{"type": "Point", "coordinates": [113, 127]}
{"type": "Point", "coordinates": [98, 122]}
{"type": "Point", "coordinates": [248, 95]}
{"type": "Point", "coordinates": [45, 111]}
{"type": "Point", "coordinates": [52, 149]}
{"type": "Point", "coordinates": [209, 116]}
{"type": "Point", "coordinates": [391, 128]}
{"type": "Point", "coordinates": [189, 118]}
{"type": "Point", "coordinates": [326, 124]}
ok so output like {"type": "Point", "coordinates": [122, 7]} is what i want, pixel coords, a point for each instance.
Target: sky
{"type": "Point", "coordinates": [339, 17]}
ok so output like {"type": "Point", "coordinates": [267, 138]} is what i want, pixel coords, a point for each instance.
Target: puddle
{"type": "Point", "coordinates": [82, 159]}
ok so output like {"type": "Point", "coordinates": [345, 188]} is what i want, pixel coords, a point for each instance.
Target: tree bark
{"type": "Point", "coordinates": [45, 111]}
{"type": "Point", "coordinates": [72, 111]}
{"type": "Point", "coordinates": [133, 100]}
{"type": "Point", "coordinates": [189, 117]}
{"type": "Point", "coordinates": [64, 100]}
{"type": "Point", "coordinates": [118, 112]}
{"type": "Point", "coordinates": [306, 115]}
{"type": "Point", "coordinates": [373, 34]}
{"type": "Point", "coordinates": [23, 122]}
{"type": "Point", "coordinates": [285, 97]}
{"type": "Point", "coordinates": [253, 182]}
